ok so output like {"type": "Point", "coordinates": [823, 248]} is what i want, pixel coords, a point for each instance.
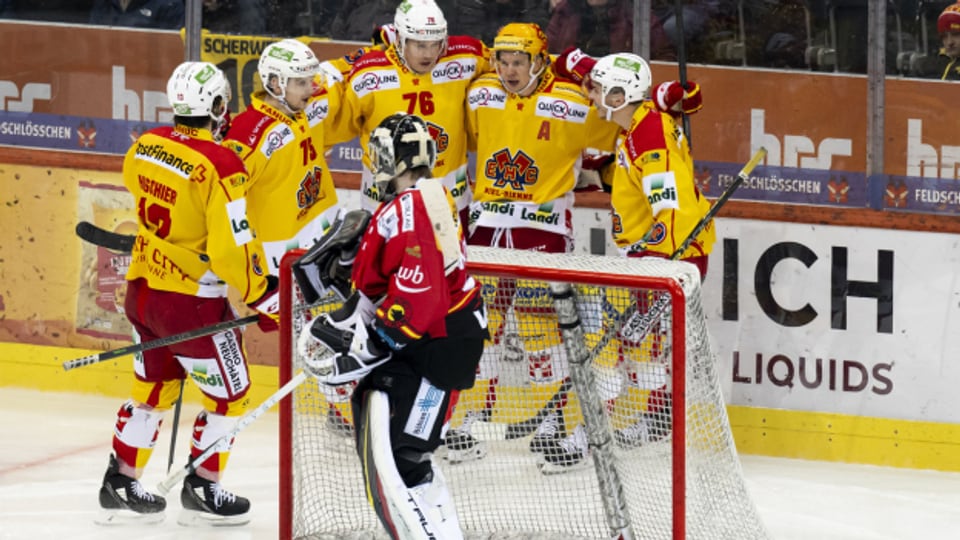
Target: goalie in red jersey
{"type": "Point", "coordinates": [415, 329]}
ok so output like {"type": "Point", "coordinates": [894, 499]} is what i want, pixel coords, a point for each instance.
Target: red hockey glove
{"type": "Point", "coordinates": [385, 35]}
{"type": "Point", "coordinates": [674, 99]}
{"type": "Point", "coordinates": [268, 306]}
{"type": "Point", "coordinates": [574, 64]}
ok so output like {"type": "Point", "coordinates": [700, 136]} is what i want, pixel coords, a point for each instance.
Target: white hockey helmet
{"type": "Point", "coordinates": [419, 20]}
{"type": "Point", "coordinates": [193, 90]}
{"type": "Point", "coordinates": [286, 59]}
{"type": "Point", "coordinates": [624, 71]}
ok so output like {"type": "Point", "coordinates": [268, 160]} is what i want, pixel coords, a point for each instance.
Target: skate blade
{"type": "Point", "coordinates": [193, 518]}
{"type": "Point", "coordinates": [111, 518]}
{"type": "Point", "coordinates": [549, 468]}
{"type": "Point", "coordinates": [478, 452]}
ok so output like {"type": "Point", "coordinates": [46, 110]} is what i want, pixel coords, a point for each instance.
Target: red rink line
{"type": "Point", "coordinates": [47, 459]}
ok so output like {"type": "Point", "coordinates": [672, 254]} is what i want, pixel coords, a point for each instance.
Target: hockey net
{"type": "Point", "coordinates": [597, 366]}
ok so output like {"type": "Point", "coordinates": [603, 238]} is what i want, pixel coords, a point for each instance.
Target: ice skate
{"type": "Point", "coordinates": [207, 503]}
{"type": "Point", "coordinates": [654, 424]}
{"type": "Point", "coordinates": [567, 454]}
{"type": "Point", "coordinates": [124, 500]}
{"type": "Point", "coordinates": [547, 433]}
{"type": "Point", "coordinates": [461, 445]}
{"type": "Point", "coordinates": [648, 429]}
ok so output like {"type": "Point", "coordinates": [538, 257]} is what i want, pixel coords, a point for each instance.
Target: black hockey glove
{"type": "Point", "coordinates": [327, 266]}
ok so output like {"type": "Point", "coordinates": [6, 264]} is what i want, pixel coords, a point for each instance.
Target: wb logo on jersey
{"type": "Point", "coordinates": [513, 171]}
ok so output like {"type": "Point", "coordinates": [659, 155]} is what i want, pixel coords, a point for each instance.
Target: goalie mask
{"type": "Point", "coordinates": [284, 60]}
{"type": "Point", "coordinates": [625, 72]}
{"type": "Point", "coordinates": [198, 89]}
{"type": "Point", "coordinates": [400, 143]}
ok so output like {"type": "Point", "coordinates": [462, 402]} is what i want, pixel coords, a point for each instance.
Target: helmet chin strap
{"type": "Point", "coordinates": [610, 110]}
{"type": "Point", "coordinates": [534, 78]}
{"type": "Point", "coordinates": [282, 98]}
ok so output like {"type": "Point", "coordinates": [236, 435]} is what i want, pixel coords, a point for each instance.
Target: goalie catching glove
{"type": "Point", "coordinates": [327, 266]}
{"type": "Point", "coordinates": [339, 347]}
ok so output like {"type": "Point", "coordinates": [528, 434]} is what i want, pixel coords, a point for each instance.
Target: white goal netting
{"type": "Point", "coordinates": [581, 425]}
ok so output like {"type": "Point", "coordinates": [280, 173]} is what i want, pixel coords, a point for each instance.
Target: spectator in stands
{"type": "Point", "coordinates": [483, 18]}
{"type": "Point", "coordinates": [164, 14]}
{"type": "Point", "coordinates": [599, 27]}
{"type": "Point", "coordinates": [357, 19]}
{"type": "Point", "coordinates": [247, 17]}
{"type": "Point", "coordinates": [947, 68]}
{"type": "Point", "coordinates": [64, 11]}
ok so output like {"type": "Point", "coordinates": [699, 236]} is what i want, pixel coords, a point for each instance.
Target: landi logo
{"type": "Point", "coordinates": [15, 99]}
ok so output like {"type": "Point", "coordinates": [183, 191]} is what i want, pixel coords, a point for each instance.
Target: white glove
{"type": "Point", "coordinates": [330, 73]}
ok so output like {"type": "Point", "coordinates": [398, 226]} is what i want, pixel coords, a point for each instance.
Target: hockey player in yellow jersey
{"type": "Point", "coordinates": [529, 128]}
{"type": "Point", "coordinates": [281, 139]}
{"type": "Point", "coordinates": [656, 205]}
{"type": "Point", "coordinates": [426, 73]}
{"type": "Point", "coordinates": [193, 241]}
{"type": "Point", "coordinates": [656, 202]}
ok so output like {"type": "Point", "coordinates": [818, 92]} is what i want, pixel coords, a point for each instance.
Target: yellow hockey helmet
{"type": "Point", "coordinates": [521, 37]}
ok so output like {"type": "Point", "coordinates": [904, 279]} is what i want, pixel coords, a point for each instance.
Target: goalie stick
{"type": "Point", "coordinates": [639, 324]}
{"type": "Point", "coordinates": [89, 232]}
{"type": "Point", "coordinates": [177, 476]}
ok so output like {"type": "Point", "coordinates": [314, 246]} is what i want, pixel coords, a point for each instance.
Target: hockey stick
{"type": "Point", "coordinates": [101, 237]}
{"type": "Point", "coordinates": [160, 342]}
{"type": "Point", "coordinates": [636, 324]}
{"type": "Point", "coordinates": [682, 65]}
{"type": "Point", "coordinates": [177, 338]}
{"type": "Point", "coordinates": [177, 476]}
{"type": "Point", "coordinates": [176, 425]}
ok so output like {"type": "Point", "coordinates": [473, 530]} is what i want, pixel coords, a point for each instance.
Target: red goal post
{"type": "Point", "coordinates": [661, 461]}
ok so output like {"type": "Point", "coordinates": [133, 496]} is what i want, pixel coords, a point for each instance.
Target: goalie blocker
{"type": "Point", "coordinates": [327, 265]}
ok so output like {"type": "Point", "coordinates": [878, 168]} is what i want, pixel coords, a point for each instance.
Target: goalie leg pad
{"type": "Point", "coordinates": [419, 412]}
{"type": "Point", "coordinates": [425, 511]}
